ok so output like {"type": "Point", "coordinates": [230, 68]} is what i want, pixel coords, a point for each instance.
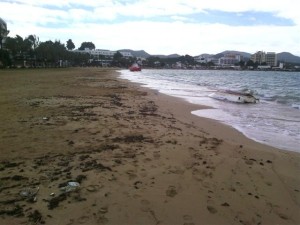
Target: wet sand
{"type": "Point", "coordinates": [138, 156]}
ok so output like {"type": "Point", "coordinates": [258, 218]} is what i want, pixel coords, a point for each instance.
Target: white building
{"type": "Point", "coordinates": [103, 52]}
{"type": "Point", "coordinates": [86, 50]}
{"type": "Point", "coordinates": [229, 59]}
{"type": "Point", "coordinates": [270, 58]}
{"type": "Point", "coordinates": [213, 60]}
{"type": "Point", "coordinates": [259, 57]}
{"type": "Point", "coordinates": [200, 59]}
{"type": "Point", "coordinates": [126, 54]}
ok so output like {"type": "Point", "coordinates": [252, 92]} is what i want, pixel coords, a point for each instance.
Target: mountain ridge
{"type": "Point", "coordinates": [282, 56]}
{"type": "Point", "coordinates": [136, 53]}
{"type": "Point", "coordinates": [288, 57]}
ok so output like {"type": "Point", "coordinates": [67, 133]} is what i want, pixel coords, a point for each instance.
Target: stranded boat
{"type": "Point", "coordinates": [135, 67]}
{"type": "Point", "coordinates": [234, 96]}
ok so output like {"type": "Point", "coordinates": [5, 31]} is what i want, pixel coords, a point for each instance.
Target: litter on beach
{"type": "Point", "coordinates": [71, 186]}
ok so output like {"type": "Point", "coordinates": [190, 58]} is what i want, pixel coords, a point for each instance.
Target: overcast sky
{"type": "Point", "coordinates": [160, 26]}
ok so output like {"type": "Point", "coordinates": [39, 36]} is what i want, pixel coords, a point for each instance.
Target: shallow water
{"type": "Point", "coordinates": [274, 120]}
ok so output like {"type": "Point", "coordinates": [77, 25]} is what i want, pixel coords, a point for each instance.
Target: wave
{"type": "Point", "coordinates": [296, 106]}
{"type": "Point", "coordinates": [282, 99]}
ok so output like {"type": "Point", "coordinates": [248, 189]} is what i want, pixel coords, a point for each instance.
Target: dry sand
{"type": "Point", "coordinates": [140, 157]}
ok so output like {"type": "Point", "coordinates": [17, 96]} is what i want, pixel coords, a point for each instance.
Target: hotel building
{"type": "Point", "coordinates": [270, 58]}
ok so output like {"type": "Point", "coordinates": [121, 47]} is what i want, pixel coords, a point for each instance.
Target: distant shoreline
{"type": "Point", "coordinates": [117, 68]}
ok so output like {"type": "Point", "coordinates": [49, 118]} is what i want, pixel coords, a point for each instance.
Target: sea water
{"type": "Point", "coordinates": [274, 120]}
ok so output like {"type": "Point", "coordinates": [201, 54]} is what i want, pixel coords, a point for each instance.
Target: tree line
{"type": "Point", "coordinates": [31, 52]}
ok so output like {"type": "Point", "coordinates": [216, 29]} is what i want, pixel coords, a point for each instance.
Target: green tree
{"type": "Point", "coordinates": [78, 59]}
{"type": "Point", "coordinates": [4, 59]}
{"type": "Point", "coordinates": [32, 41]}
{"type": "Point", "coordinates": [11, 45]}
{"type": "Point", "coordinates": [189, 60]}
{"type": "Point", "coordinates": [250, 63]}
{"type": "Point", "coordinates": [45, 51]}
{"type": "Point", "coordinates": [21, 49]}
{"type": "Point", "coordinates": [210, 64]}
{"type": "Point", "coordinates": [117, 59]}
{"type": "Point", "coordinates": [70, 44]}
{"type": "Point", "coordinates": [30, 44]}
{"type": "Point", "coordinates": [117, 56]}
{"type": "Point", "coordinates": [48, 53]}
{"type": "Point", "coordinates": [51, 52]}
{"type": "Point", "coordinates": [20, 43]}
{"type": "Point", "coordinates": [89, 45]}
{"type": "Point", "coordinates": [17, 47]}
{"type": "Point", "coordinates": [153, 61]}
{"type": "Point", "coordinates": [240, 63]}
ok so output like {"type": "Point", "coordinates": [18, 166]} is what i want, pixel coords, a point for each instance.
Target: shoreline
{"type": "Point", "coordinates": [244, 133]}
{"type": "Point", "coordinates": [233, 115]}
{"type": "Point", "coordinates": [184, 108]}
{"type": "Point", "coordinates": [285, 143]}
{"type": "Point", "coordinates": [139, 157]}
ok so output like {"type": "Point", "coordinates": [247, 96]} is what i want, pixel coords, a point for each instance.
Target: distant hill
{"type": "Point", "coordinates": [288, 57]}
{"type": "Point", "coordinates": [205, 55]}
{"type": "Point", "coordinates": [167, 56]}
{"type": "Point", "coordinates": [246, 55]}
{"type": "Point", "coordinates": [144, 54]}
{"type": "Point", "coordinates": [139, 53]}
{"type": "Point", "coordinates": [283, 56]}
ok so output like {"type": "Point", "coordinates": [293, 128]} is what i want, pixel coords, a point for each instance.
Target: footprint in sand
{"type": "Point", "coordinates": [131, 174]}
{"type": "Point", "coordinates": [83, 219]}
{"type": "Point", "coordinates": [147, 160]}
{"type": "Point", "coordinates": [175, 170]}
{"type": "Point", "coordinates": [156, 155]}
{"type": "Point", "coordinates": [171, 192]}
{"type": "Point", "coordinates": [93, 188]}
{"type": "Point", "coordinates": [187, 217]}
{"type": "Point", "coordinates": [188, 220]}
{"type": "Point", "coordinates": [211, 209]}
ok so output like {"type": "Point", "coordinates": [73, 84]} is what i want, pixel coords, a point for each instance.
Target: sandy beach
{"type": "Point", "coordinates": [81, 146]}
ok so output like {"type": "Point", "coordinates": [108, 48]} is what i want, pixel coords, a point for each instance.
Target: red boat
{"type": "Point", "coordinates": [135, 67]}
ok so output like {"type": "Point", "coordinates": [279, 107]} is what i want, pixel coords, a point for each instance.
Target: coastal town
{"type": "Point", "coordinates": [228, 60]}
{"type": "Point", "coordinates": [29, 52]}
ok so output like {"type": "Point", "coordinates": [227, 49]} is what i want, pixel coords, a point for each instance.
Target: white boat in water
{"type": "Point", "coordinates": [234, 96]}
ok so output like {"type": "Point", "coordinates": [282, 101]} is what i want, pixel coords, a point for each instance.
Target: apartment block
{"type": "Point", "coordinates": [259, 57]}
{"type": "Point", "coordinates": [270, 58]}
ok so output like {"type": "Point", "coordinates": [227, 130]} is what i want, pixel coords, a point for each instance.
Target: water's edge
{"type": "Point", "coordinates": [240, 122]}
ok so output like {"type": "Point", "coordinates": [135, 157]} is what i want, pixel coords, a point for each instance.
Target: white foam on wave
{"type": "Point", "coordinates": [296, 106]}
{"type": "Point", "coordinates": [264, 132]}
